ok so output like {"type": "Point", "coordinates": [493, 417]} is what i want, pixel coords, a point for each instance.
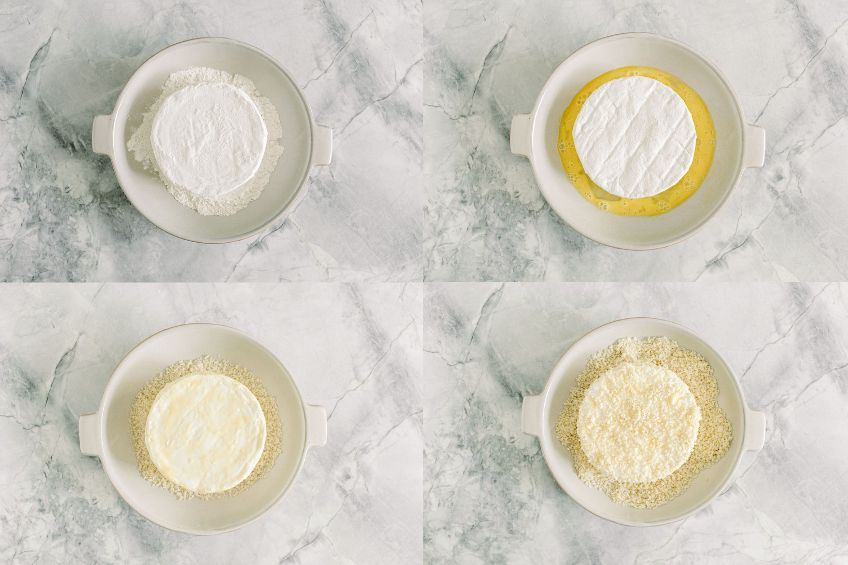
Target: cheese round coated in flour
{"type": "Point", "coordinates": [208, 139]}
{"type": "Point", "coordinates": [638, 422]}
{"type": "Point", "coordinates": [205, 432]}
{"type": "Point", "coordinates": [635, 137]}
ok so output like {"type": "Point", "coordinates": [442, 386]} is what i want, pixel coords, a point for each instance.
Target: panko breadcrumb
{"type": "Point", "coordinates": [206, 364]}
{"type": "Point", "coordinates": [714, 433]}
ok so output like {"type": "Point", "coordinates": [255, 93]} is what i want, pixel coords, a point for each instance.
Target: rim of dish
{"type": "Point", "coordinates": [547, 394]}
{"type": "Point", "coordinates": [106, 400]}
{"type": "Point", "coordinates": [697, 226]}
{"type": "Point", "coordinates": [299, 192]}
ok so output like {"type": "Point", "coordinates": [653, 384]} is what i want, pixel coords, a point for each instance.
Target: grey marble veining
{"type": "Point", "coordinates": [488, 495]}
{"type": "Point", "coordinates": [487, 220]}
{"type": "Point", "coordinates": [354, 349]}
{"type": "Point", "coordinates": [63, 215]}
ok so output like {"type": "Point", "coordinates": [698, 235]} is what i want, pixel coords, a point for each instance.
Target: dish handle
{"type": "Point", "coordinates": [316, 426]}
{"type": "Point", "coordinates": [89, 434]}
{"type": "Point", "coordinates": [755, 438]}
{"type": "Point", "coordinates": [101, 135]}
{"type": "Point", "coordinates": [322, 146]}
{"type": "Point", "coordinates": [519, 134]}
{"type": "Point", "coordinates": [531, 415]}
{"type": "Point", "coordinates": [754, 151]}
{"type": "Point", "coordinates": [755, 430]}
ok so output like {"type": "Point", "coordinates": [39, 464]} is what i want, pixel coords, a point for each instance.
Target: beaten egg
{"type": "Point", "coordinates": [652, 205]}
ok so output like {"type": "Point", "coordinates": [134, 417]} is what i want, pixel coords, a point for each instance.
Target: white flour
{"type": "Point", "coordinates": [209, 139]}
{"type": "Point", "coordinates": [210, 196]}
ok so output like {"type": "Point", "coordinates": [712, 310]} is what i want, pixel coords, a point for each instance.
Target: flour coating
{"type": "Point", "coordinates": [206, 148]}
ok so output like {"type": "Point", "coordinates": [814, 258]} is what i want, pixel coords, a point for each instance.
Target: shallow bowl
{"type": "Point", "coordinates": [305, 144]}
{"type": "Point", "coordinates": [738, 145]}
{"type": "Point", "coordinates": [540, 415]}
{"type": "Point", "coordinates": [106, 433]}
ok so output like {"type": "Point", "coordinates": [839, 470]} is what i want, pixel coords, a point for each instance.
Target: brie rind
{"type": "Point", "coordinates": [635, 137]}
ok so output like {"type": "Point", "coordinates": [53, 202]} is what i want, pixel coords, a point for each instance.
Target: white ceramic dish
{"type": "Point", "coordinates": [737, 145]}
{"type": "Point", "coordinates": [106, 433]}
{"type": "Point", "coordinates": [304, 143]}
{"type": "Point", "coordinates": [540, 414]}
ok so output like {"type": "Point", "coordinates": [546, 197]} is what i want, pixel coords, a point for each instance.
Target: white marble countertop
{"type": "Point", "coordinates": [64, 217]}
{"type": "Point", "coordinates": [488, 495]}
{"type": "Point", "coordinates": [422, 186]}
{"type": "Point", "coordinates": [488, 60]}
{"type": "Point", "coordinates": [356, 350]}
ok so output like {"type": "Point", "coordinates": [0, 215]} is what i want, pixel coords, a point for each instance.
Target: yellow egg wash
{"type": "Point", "coordinates": [652, 205]}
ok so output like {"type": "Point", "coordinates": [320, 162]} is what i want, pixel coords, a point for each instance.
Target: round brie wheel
{"type": "Point", "coordinates": [635, 137]}
{"type": "Point", "coordinates": [208, 139]}
{"type": "Point", "coordinates": [638, 423]}
{"type": "Point", "coordinates": [205, 432]}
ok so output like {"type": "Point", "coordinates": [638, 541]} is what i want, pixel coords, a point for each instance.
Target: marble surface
{"type": "Point", "coordinates": [356, 350]}
{"type": "Point", "coordinates": [488, 495]}
{"type": "Point", "coordinates": [63, 216]}
{"type": "Point", "coordinates": [487, 60]}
